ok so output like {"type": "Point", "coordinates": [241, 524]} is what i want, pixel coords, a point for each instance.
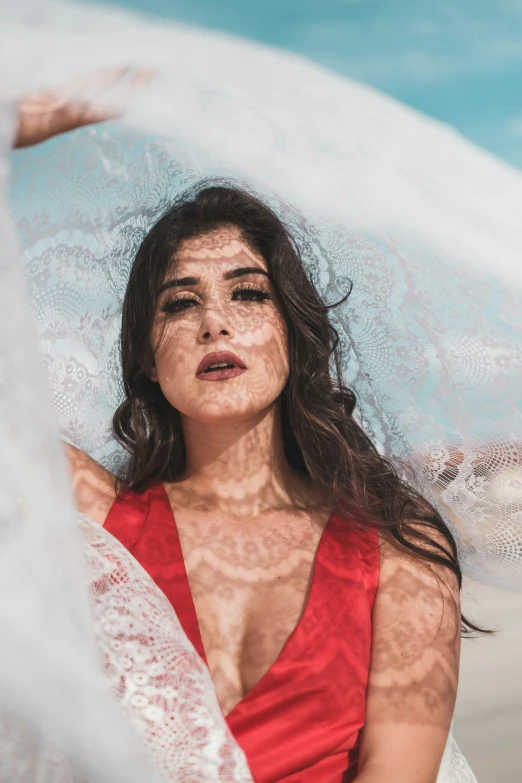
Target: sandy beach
{"type": "Point", "coordinates": [488, 713]}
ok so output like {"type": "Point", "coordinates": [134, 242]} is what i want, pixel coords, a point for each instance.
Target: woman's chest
{"type": "Point", "coordinates": [250, 585]}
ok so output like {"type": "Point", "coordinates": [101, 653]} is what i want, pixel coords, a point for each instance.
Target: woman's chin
{"type": "Point", "coordinates": [228, 410]}
{"type": "Point", "coordinates": [224, 415]}
{"type": "Point", "coordinates": [226, 402]}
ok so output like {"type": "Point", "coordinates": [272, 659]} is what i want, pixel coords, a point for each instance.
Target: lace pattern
{"type": "Point", "coordinates": [419, 221]}
{"type": "Point", "coordinates": [425, 360]}
{"type": "Point", "coordinates": [59, 722]}
{"type": "Point", "coordinates": [454, 768]}
{"type": "Point", "coordinates": [154, 671]}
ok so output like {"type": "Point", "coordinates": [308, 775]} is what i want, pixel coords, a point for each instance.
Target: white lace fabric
{"type": "Point", "coordinates": [454, 768]}
{"type": "Point", "coordinates": [54, 701]}
{"type": "Point", "coordinates": [98, 682]}
{"type": "Point", "coordinates": [423, 224]}
{"type": "Point", "coordinates": [156, 675]}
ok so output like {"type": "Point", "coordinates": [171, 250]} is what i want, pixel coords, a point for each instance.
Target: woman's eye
{"type": "Point", "coordinates": [250, 294]}
{"type": "Point", "coordinates": [179, 304]}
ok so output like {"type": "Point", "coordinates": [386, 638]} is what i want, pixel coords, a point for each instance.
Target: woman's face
{"type": "Point", "coordinates": [219, 299]}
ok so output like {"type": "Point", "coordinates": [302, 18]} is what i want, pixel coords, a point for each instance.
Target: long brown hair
{"type": "Point", "coordinates": [321, 437]}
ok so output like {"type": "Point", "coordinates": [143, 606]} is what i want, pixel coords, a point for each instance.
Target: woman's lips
{"type": "Point", "coordinates": [236, 366]}
{"type": "Point", "coordinates": [220, 374]}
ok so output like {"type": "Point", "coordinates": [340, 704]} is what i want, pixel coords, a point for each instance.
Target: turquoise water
{"type": "Point", "coordinates": [459, 61]}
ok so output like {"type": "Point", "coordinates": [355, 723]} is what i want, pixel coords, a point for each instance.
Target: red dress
{"type": "Point", "coordinates": [302, 722]}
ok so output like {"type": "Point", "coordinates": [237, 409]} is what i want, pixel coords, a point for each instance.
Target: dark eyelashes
{"type": "Point", "coordinates": [250, 294]}
{"type": "Point", "coordinates": [244, 293]}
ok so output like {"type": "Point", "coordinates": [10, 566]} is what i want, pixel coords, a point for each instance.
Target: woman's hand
{"type": "Point", "coordinates": [97, 97]}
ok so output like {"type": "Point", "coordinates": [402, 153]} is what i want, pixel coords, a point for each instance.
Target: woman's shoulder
{"type": "Point", "coordinates": [399, 562]}
{"type": "Point", "coordinates": [94, 487]}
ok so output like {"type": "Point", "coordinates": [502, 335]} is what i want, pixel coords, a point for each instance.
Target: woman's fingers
{"type": "Point", "coordinates": [99, 96]}
{"type": "Point", "coordinates": [113, 102]}
{"type": "Point", "coordinates": [90, 86]}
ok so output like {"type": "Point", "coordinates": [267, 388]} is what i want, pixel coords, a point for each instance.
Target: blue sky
{"type": "Point", "coordinates": [459, 61]}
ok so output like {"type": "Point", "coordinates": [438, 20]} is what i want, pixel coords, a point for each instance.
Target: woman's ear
{"type": "Point", "coordinates": [148, 368]}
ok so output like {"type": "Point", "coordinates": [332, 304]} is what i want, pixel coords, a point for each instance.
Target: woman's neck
{"type": "Point", "coordinates": [240, 463]}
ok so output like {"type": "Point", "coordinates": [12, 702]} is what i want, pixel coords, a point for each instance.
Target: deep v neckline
{"type": "Point", "coordinates": [186, 609]}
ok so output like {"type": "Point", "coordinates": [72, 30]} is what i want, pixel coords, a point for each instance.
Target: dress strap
{"type": "Point", "coordinates": [145, 525]}
{"type": "Point", "coordinates": [127, 517]}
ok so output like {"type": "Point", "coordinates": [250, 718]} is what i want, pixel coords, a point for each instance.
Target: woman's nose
{"type": "Point", "coordinates": [214, 323]}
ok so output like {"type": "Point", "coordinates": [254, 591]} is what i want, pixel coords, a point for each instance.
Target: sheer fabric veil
{"type": "Point", "coordinates": [418, 220]}
{"type": "Point", "coordinates": [93, 656]}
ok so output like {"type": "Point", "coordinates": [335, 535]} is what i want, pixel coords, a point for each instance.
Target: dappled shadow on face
{"type": "Point", "coordinates": [220, 308]}
{"type": "Point", "coordinates": [240, 315]}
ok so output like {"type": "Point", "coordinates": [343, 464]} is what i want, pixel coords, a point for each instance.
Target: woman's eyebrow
{"type": "Point", "coordinates": [178, 282]}
{"type": "Point", "coordinates": [245, 270]}
{"type": "Point", "coordinates": [230, 275]}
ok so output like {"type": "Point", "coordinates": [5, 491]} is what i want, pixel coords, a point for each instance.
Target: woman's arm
{"type": "Point", "coordinates": [101, 95]}
{"type": "Point", "coordinates": [414, 669]}
{"type": "Point", "coordinates": [94, 487]}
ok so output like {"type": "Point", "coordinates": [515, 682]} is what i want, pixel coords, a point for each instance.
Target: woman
{"type": "Point", "coordinates": [322, 591]}
{"type": "Point", "coordinates": [236, 429]}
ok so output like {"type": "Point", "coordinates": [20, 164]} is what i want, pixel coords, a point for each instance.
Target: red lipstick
{"type": "Point", "coordinates": [220, 365]}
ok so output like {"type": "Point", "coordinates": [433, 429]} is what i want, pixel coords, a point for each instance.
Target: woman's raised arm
{"type": "Point", "coordinates": [101, 95]}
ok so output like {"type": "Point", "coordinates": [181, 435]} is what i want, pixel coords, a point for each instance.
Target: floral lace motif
{"type": "Point", "coordinates": [436, 370]}
{"type": "Point", "coordinates": [419, 221]}
{"type": "Point", "coordinates": [155, 674]}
